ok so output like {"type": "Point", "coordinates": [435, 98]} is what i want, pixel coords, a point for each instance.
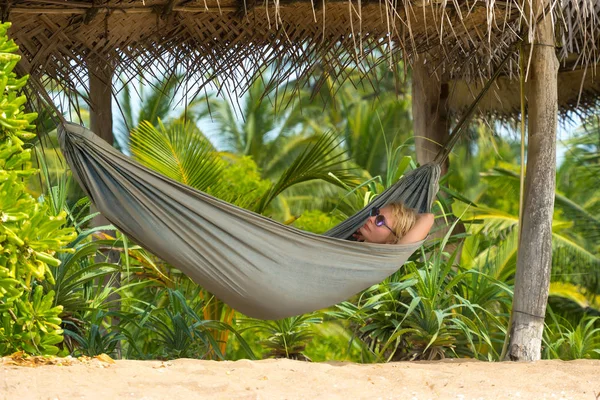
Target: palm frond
{"type": "Point", "coordinates": [158, 103]}
{"type": "Point", "coordinates": [179, 152]}
{"type": "Point", "coordinates": [231, 134]}
{"type": "Point", "coordinates": [503, 180]}
{"type": "Point", "coordinates": [493, 222]}
{"type": "Point", "coordinates": [497, 259]}
{"type": "Point", "coordinates": [122, 127]}
{"type": "Point", "coordinates": [311, 195]}
{"type": "Point", "coordinates": [324, 160]}
{"type": "Point", "coordinates": [498, 240]}
{"type": "Point", "coordinates": [574, 294]}
{"type": "Point", "coordinates": [584, 222]}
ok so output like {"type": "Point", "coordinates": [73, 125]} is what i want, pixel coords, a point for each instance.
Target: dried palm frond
{"type": "Point", "coordinates": [223, 42]}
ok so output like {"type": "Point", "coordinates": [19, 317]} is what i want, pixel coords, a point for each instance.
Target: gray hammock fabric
{"type": "Point", "coordinates": [258, 266]}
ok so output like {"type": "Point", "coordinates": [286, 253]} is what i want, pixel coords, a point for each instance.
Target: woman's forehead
{"type": "Point", "coordinates": [387, 210]}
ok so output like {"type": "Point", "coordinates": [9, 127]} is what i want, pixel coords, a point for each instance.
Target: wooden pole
{"type": "Point", "coordinates": [100, 75]}
{"type": "Point", "coordinates": [534, 260]}
{"type": "Point", "coordinates": [430, 116]}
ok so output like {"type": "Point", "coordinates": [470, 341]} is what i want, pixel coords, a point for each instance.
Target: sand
{"type": "Point", "coordinates": [286, 379]}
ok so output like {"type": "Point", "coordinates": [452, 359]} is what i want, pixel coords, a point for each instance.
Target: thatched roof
{"type": "Point", "coordinates": [578, 93]}
{"type": "Point", "coordinates": [463, 40]}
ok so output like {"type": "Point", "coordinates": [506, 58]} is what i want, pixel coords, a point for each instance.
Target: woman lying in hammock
{"type": "Point", "coordinates": [395, 224]}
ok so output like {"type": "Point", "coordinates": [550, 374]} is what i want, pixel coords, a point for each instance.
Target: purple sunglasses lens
{"type": "Point", "coordinates": [380, 220]}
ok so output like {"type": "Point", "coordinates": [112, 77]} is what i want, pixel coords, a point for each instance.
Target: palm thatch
{"type": "Point", "coordinates": [578, 93]}
{"type": "Point", "coordinates": [226, 40]}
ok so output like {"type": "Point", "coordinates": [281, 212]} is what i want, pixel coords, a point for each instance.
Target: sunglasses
{"type": "Point", "coordinates": [379, 219]}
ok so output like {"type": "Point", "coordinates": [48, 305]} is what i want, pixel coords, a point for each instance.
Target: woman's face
{"type": "Point", "coordinates": [378, 234]}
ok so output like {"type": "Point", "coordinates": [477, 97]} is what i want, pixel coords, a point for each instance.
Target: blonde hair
{"type": "Point", "coordinates": [404, 217]}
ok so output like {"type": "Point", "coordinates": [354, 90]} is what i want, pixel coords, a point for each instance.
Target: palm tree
{"type": "Point", "coordinates": [578, 178]}
{"type": "Point", "coordinates": [268, 128]}
{"type": "Point", "coordinates": [492, 248]}
{"type": "Point", "coordinates": [372, 119]}
{"type": "Point", "coordinates": [372, 116]}
{"type": "Point", "coordinates": [274, 129]}
{"type": "Point", "coordinates": [153, 101]}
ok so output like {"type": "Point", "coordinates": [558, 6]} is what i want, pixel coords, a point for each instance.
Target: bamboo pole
{"type": "Point", "coordinates": [69, 3]}
{"type": "Point", "coordinates": [112, 9]}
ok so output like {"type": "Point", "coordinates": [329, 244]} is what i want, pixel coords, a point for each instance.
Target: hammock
{"type": "Point", "coordinates": [258, 266]}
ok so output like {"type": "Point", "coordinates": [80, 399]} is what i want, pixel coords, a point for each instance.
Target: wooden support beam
{"type": "Point", "coordinates": [430, 115]}
{"type": "Point", "coordinates": [100, 75]}
{"type": "Point", "coordinates": [534, 259]}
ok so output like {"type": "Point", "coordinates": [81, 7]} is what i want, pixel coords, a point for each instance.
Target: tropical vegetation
{"type": "Point", "coordinates": [68, 286]}
{"type": "Point", "coordinates": [32, 232]}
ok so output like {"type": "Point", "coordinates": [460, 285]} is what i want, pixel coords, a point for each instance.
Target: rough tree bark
{"type": "Point", "coordinates": [535, 247]}
{"type": "Point", "coordinates": [430, 116]}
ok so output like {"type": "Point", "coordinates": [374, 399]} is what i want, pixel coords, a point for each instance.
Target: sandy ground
{"type": "Point", "coordinates": [285, 379]}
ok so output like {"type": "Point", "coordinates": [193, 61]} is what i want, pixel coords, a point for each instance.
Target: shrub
{"type": "Point", "coordinates": [29, 236]}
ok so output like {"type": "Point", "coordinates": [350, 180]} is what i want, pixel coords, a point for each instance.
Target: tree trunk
{"type": "Point", "coordinates": [430, 116]}
{"type": "Point", "coordinates": [532, 280]}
